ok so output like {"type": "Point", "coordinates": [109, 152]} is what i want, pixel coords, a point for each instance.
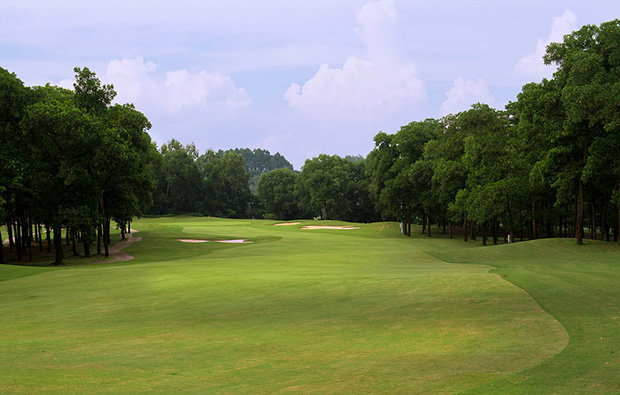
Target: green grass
{"type": "Point", "coordinates": [315, 311]}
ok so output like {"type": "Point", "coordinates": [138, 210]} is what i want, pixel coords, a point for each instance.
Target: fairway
{"type": "Point", "coordinates": [318, 311]}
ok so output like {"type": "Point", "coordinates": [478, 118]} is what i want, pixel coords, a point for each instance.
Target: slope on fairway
{"type": "Point", "coordinates": [322, 311]}
{"type": "Point", "coordinates": [579, 286]}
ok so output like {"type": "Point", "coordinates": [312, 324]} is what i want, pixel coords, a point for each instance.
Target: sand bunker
{"type": "Point", "coordinates": [237, 241]}
{"type": "Point", "coordinates": [328, 227]}
{"type": "Point", "coordinates": [287, 223]}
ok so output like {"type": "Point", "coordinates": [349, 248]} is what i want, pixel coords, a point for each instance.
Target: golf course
{"type": "Point", "coordinates": [296, 308]}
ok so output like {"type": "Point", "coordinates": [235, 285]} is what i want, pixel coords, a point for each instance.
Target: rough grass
{"type": "Point", "coordinates": [321, 311]}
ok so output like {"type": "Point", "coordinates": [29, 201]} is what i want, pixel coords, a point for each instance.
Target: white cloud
{"type": "Point", "coordinates": [464, 93]}
{"type": "Point", "coordinates": [363, 88]}
{"type": "Point", "coordinates": [533, 65]}
{"type": "Point", "coordinates": [137, 81]}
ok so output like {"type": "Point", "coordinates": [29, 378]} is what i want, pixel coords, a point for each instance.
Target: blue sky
{"type": "Point", "coordinates": [298, 77]}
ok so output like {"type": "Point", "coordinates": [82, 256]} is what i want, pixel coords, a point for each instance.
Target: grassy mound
{"type": "Point", "coordinates": [326, 311]}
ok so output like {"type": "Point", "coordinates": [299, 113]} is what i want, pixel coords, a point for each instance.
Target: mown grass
{"type": "Point", "coordinates": [312, 311]}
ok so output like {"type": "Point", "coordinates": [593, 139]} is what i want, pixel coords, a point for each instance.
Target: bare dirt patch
{"type": "Point", "coordinates": [115, 250]}
{"type": "Point", "coordinates": [329, 227]}
{"type": "Point", "coordinates": [287, 223]}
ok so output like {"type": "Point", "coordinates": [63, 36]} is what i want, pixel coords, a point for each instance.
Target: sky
{"type": "Point", "coordinates": [298, 77]}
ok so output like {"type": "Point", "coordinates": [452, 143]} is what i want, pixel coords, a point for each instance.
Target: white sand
{"type": "Point", "coordinates": [287, 223]}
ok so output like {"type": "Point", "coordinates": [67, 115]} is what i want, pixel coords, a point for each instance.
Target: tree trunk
{"type": "Point", "coordinates": [9, 229]}
{"type": "Point", "coordinates": [58, 245]}
{"type": "Point", "coordinates": [18, 239]}
{"type": "Point", "coordinates": [579, 217]}
{"type": "Point", "coordinates": [533, 234]}
{"type": "Point", "coordinates": [495, 224]}
{"type": "Point", "coordinates": [40, 238]}
{"type": "Point", "coordinates": [106, 230]}
{"type": "Point", "coordinates": [24, 230]}
{"type": "Point", "coordinates": [450, 229]}
{"type": "Point", "coordinates": [74, 246]}
{"type": "Point", "coordinates": [105, 242]}
{"type": "Point", "coordinates": [428, 218]}
{"type": "Point", "coordinates": [473, 231]}
{"type": "Point", "coordinates": [409, 222]}
{"type": "Point", "coordinates": [465, 225]}
{"type": "Point", "coordinates": [29, 232]}
{"type": "Point", "coordinates": [593, 221]}
{"type": "Point", "coordinates": [49, 237]}
{"type": "Point", "coordinates": [549, 229]}
{"type": "Point", "coordinates": [424, 223]}
{"type": "Point", "coordinates": [1, 249]}
{"type": "Point", "coordinates": [86, 248]}
{"type": "Point", "coordinates": [604, 226]}
{"type": "Point", "coordinates": [617, 224]}
{"type": "Point", "coordinates": [485, 226]}
{"type": "Point", "coordinates": [99, 239]}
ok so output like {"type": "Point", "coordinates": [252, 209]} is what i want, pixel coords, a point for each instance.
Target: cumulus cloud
{"type": "Point", "coordinates": [533, 65]}
{"type": "Point", "coordinates": [137, 81]}
{"type": "Point", "coordinates": [464, 93]}
{"type": "Point", "coordinates": [383, 83]}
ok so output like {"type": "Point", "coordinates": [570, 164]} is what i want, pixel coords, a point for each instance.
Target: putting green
{"type": "Point", "coordinates": [295, 311]}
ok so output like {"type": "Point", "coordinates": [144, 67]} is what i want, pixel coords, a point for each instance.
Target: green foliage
{"type": "Point", "coordinates": [71, 159]}
{"type": "Point", "coordinates": [259, 161]}
{"type": "Point", "coordinates": [545, 161]}
{"type": "Point", "coordinates": [392, 175]}
{"type": "Point", "coordinates": [276, 190]}
{"type": "Point", "coordinates": [89, 93]}
{"type": "Point", "coordinates": [226, 184]}
{"type": "Point", "coordinates": [180, 186]}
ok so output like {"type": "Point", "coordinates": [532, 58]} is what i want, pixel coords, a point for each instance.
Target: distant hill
{"type": "Point", "coordinates": [259, 161]}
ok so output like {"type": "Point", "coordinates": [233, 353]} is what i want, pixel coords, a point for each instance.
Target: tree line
{"type": "Point", "coordinates": [70, 160]}
{"type": "Point", "coordinates": [73, 162]}
{"type": "Point", "coordinates": [244, 183]}
{"type": "Point", "coordinates": [545, 166]}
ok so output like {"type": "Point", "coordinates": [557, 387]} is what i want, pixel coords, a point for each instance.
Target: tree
{"type": "Point", "coordinates": [71, 160]}
{"type": "Point", "coordinates": [89, 93]}
{"type": "Point", "coordinates": [180, 186]}
{"type": "Point", "coordinates": [61, 140]}
{"type": "Point", "coordinates": [128, 190]}
{"type": "Point", "coordinates": [323, 186]}
{"type": "Point", "coordinates": [449, 174]}
{"type": "Point", "coordinates": [393, 182]}
{"type": "Point", "coordinates": [259, 161]}
{"type": "Point", "coordinates": [588, 80]}
{"type": "Point", "coordinates": [496, 171]}
{"type": "Point", "coordinates": [276, 190]}
{"type": "Point", "coordinates": [226, 184]}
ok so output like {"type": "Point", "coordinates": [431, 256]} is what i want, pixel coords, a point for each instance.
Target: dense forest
{"type": "Point", "coordinates": [545, 166]}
